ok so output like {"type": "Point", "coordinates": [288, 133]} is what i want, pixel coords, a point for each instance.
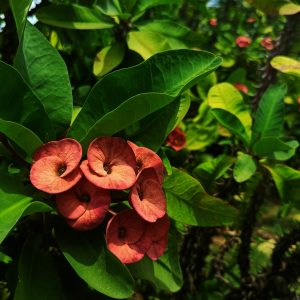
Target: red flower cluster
{"type": "Point", "coordinates": [176, 139]}
{"type": "Point", "coordinates": [83, 198]}
{"type": "Point", "coordinates": [243, 41]}
{"type": "Point", "coordinates": [267, 43]}
{"type": "Point", "coordinates": [241, 87]}
{"type": "Point", "coordinates": [213, 22]}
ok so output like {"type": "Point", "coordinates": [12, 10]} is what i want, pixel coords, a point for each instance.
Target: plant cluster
{"type": "Point", "coordinates": [82, 192]}
{"type": "Point", "coordinates": [134, 165]}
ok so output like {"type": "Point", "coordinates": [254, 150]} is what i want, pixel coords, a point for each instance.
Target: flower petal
{"type": "Point", "coordinates": [127, 227]}
{"type": "Point", "coordinates": [84, 215]}
{"type": "Point", "coordinates": [68, 150]}
{"type": "Point", "coordinates": [157, 248]}
{"type": "Point", "coordinates": [147, 196]}
{"type": "Point", "coordinates": [111, 163]}
{"type": "Point", "coordinates": [146, 158]}
{"type": "Point", "coordinates": [44, 176]}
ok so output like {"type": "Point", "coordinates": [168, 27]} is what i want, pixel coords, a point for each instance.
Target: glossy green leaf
{"type": "Point", "coordinates": [38, 277]}
{"type": "Point", "coordinates": [74, 17]}
{"type": "Point", "coordinates": [45, 71]}
{"type": "Point", "coordinates": [108, 59]}
{"type": "Point", "coordinates": [87, 254]}
{"type": "Point", "coordinates": [137, 107]}
{"type": "Point", "coordinates": [20, 9]}
{"type": "Point", "coordinates": [275, 148]}
{"type": "Point", "coordinates": [226, 97]}
{"type": "Point", "coordinates": [286, 65]}
{"type": "Point", "coordinates": [232, 123]}
{"type": "Point", "coordinates": [117, 8]}
{"type": "Point", "coordinates": [15, 203]}
{"type": "Point", "coordinates": [27, 109]}
{"type": "Point", "coordinates": [187, 202]}
{"type": "Point", "coordinates": [244, 167]}
{"type": "Point", "coordinates": [269, 118]}
{"type": "Point", "coordinates": [23, 137]}
{"type": "Point", "coordinates": [210, 171]}
{"type": "Point", "coordinates": [166, 75]}
{"type": "Point", "coordinates": [165, 273]}
{"type": "Point", "coordinates": [287, 181]}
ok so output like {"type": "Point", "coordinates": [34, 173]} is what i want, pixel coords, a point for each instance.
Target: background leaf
{"type": "Point", "coordinates": [275, 148]}
{"type": "Point", "coordinates": [187, 202]}
{"type": "Point", "coordinates": [269, 117]}
{"type": "Point", "coordinates": [226, 97]}
{"type": "Point", "coordinates": [108, 59]}
{"type": "Point", "coordinates": [287, 181]}
{"type": "Point", "coordinates": [210, 171]}
{"type": "Point", "coordinates": [244, 167]}
{"type": "Point", "coordinates": [286, 65]}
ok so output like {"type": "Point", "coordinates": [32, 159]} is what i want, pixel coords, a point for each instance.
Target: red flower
{"type": "Point", "coordinates": [213, 22]}
{"type": "Point", "coordinates": [125, 236]}
{"type": "Point", "coordinates": [84, 206]}
{"type": "Point", "coordinates": [110, 164]}
{"type": "Point", "coordinates": [251, 20]}
{"type": "Point", "coordinates": [55, 168]}
{"type": "Point", "coordinates": [147, 196]}
{"type": "Point", "coordinates": [267, 43]}
{"type": "Point", "coordinates": [176, 139]}
{"type": "Point", "coordinates": [243, 41]}
{"type": "Point", "coordinates": [241, 87]}
{"type": "Point", "coordinates": [146, 158]}
{"type": "Point", "coordinates": [158, 232]}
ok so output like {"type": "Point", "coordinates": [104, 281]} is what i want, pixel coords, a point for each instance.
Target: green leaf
{"type": "Point", "coordinates": [274, 148]}
{"type": "Point", "coordinates": [165, 273]}
{"type": "Point", "coordinates": [136, 107]}
{"type": "Point", "coordinates": [87, 254]}
{"type": "Point", "coordinates": [187, 202]}
{"type": "Point", "coordinates": [20, 9]}
{"type": "Point", "coordinates": [271, 7]}
{"type": "Point", "coordinates": [286, 65]}
{"type": "Point", "coordinates": [287, 181]}
{"type": "Point", "coordinates": [160, 35]}
{"type": "Point", "coordinates": [74, 17]}
{"type": "Point", "coordinates": [143, 5]}
{"type": "Point", "coordinates": [147, 44]}
{"type": "Point", "coordinates": [27, 109]}
{"type": "Point", "coordinates": [165, 74]}
{"type": "Point", "coordinates": [232, 123]}
{"type": "Point", "coordinates": [117, 8]}
{"type": "Point", "coordinates": [23, 137]}
{"type": "Point", "coordinates": [37, 273]}
{"type": "Point", "coordinates": [108, 59]}
{"type": "Point", "coordinates": [15, 203]}
{"type": "Point", "coordinates": [244, 167]}
{"type": "Point", "coordinates": [269, 118]}
{"type": "Point", "coordinates": [45, 71]}
{"type": "Point", "coordinates": [226, 97]}
{"type": "Point", "coordinates": [210, 171]}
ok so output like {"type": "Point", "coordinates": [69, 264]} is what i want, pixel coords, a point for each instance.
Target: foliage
{"type": "Point", "coordinates": [207, 91]}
